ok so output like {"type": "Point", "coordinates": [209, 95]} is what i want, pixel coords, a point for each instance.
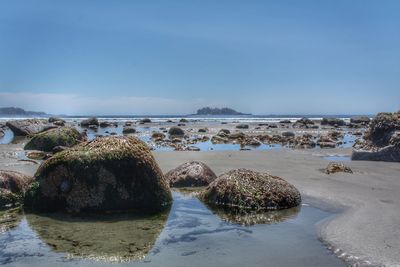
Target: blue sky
{"type": "Point", "coordinates": [172, 57]}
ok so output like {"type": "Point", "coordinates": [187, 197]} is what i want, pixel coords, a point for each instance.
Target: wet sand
{"type": "Point", "coordinates": [365, 231]}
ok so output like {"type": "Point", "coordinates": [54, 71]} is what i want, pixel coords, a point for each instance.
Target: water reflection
{"type": "Point", "coordinates": [251, 218]}
{"type": "Point", "coordinates": [9, 219]}
{"type": "Point", "coordinates": [108, 237]}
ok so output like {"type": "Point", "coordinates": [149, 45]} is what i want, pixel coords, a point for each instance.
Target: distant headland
{"type": "Point", "coordinates": [219, 111]}
{"type": "Point", "coordinates": [13, 111]}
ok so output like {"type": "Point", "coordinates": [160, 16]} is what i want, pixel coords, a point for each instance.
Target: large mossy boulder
{"type": "Point", "coordinates": [244, 189]}
{"type": "Point", "coordinates": [106, 174]}
{"type": "Point", "coordinates": [381, 140]}
{"type": "Point", "coordinates": [190, 174]}
{"type": "Point", "coordinates": [46, 141]}
{"type": "Point", "coordinates": [12, 187]}
{"type": "Point", "coordinates": [176, 131]}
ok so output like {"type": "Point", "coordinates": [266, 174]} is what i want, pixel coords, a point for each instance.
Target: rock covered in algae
{"type": "Point", "coordinates": [106, 174]}
{"type": "Point", "coordinates": [334, 167]}
{"type": "Point", "coordinates": [244, 189]}
{"type": "Point", "coordinates": [115, 237]}
{"type": "Point", "coordinates": [190, 174]}
{"type": "Point", "coordinates": [46, 141]}
{"type": "Point", "coordinates": [12, 187]}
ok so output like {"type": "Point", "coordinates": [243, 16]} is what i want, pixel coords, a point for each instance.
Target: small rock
{"type": "Point", "coordinates": [189, 174]}
{"type": "Point", "coordinates": [334, 167]}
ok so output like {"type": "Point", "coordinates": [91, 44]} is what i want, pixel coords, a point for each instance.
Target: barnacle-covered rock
{"type": "Point", "coordinates": [249, 190]}
{"type": "Point", "coordinates": [190, 174]}
{"type": "Point", "coordinates": [106, 174]}
{"type": "Point", "coordinates": [46, 141]}
{"type": "Point", "coordinates": [12, 187]}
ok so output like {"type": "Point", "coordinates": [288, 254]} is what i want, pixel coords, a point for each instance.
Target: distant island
{"type": "Point", "coordinates": [218, 111]}
{"type": "Point", "coordinates": [12, 111]}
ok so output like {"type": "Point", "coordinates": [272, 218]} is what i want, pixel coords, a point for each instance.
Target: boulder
{"type": "Point", "coordinates": [55, 119]}
{"type": "Point", "coordinates": [360, 120]}
{"type": "Point", "coordinates": [90, 122]}
{"type": "Point", "coordinates": [158, 135]}
{"type": "Point", "coordinates": [202, 130]}
{"type": "Point", "coordinates": [381, 140]}
{"type": "Point", "coordinates": [28, 127]}
{"type": "Point", "coordinates": [333, 122]}
{"type": "Point", "coordinates": [242, 126]}
{"type": "Point", "coordinates": [128, 130]}
{"type": "Point", "coordinates": [334, 167]}
{"type": "Point", "coordinates": [46, 141]}
{"type": "Point", "coordinates": [249, 190]}
{"type": "Point", "coordinates": [105, 124]}
{"type": "Point", "coordinates": [176, 131]}
{"type": "Point", "coordinates": [145, 120]}
{"type": "Point", "coordinates": [190, 174]}
{"type": "Point", "coordinates": [107, 174]}
{"type": "Point", "coordinates": [183, 120]}
{"type": "Point", "coordinates": [288, 134]}
{"type": "Point", "coordinates": [285, 121]}
{"type": "Point", "coordinates": [12, 187]}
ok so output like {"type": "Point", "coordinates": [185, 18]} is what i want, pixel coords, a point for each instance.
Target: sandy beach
{"type": "Point", "coordinates": [365, 229]}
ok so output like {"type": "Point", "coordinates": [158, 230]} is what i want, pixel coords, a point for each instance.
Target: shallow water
{"type": "Point", "coordinates": [192, 235]}
{"type": "Point", "coordinates": [338, 158]}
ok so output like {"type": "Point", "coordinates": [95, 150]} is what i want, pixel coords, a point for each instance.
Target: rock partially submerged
{"type": "Point", "coordinates": [29, 126]}
{"type": "Point", "coordinates": [333, 122]}
{"type": "Point", "coordinates": [106, 174]}
{"type": "Point", "coordinates": [249, 190]}
{"type": "Point", "coordinates": [334, 167]}
{"type": "Point", "coordinates": [90, 122]}
{"type": "Point", "coordinates": [176, 131]}
{"type": "Point", "coordinates": [46, 141]}
{"type": "Point", "coordinates": [190, 174]}
{"type": "Point", "coordinates": [381, 141]}
{"type": "Point", "coordinates": [12, 187]}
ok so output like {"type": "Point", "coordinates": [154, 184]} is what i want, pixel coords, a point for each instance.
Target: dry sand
{"type": "Point", "coordinates": [366, 228]}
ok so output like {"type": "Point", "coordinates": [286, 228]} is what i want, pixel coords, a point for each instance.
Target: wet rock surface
{"type": "Point", "coordinates": [12, 187]}
{"type": "Point", "coordinates": [106, 174]}
{"type": "Point", "coordinates": [28, 127]}
{"type": "Point", "coordinates": [190, 174]}
{"type": "Point", "coordinates": [48, 140]}
{"type": "Point", "coordinates": [244, 189]}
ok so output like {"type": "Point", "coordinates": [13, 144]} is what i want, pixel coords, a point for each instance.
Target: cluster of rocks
{"type": "Point", "coordinates": [382, 139]}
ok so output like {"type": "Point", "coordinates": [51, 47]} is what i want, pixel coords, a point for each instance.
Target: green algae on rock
{"type": "Point", "coordinates": [10, 218]}
{"type": "Point", "coordinates": [116, 237]}
{"type": "Point", "coordinates": [244, 189]}
{"type": "Point", "coordinates": [46, 141]}
{"type": "Point", "coordinates": [12, 188]}
{"type": "Point", "coordinates": [106, 174]}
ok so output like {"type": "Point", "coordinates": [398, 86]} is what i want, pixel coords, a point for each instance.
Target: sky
{"type": "Point", "coordinates": [131, 57]}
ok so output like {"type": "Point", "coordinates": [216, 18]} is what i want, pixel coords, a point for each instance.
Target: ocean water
{"type": "Point", "coordinates": [190, 234]}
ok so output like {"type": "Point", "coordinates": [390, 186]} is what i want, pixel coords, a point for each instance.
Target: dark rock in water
{"type": "Point", "coordinates": [36, 155]}
{"type": "Point", "coordinates": [249, 190]}
{"type": "Point", "coordinates": [106, 174]}
{"type": "Point", "coordinates": [145, 120]}
{"type": "Point", "coordinates": [176, 131]}
{"type": "Point", "coordinates": [224, 132]}
{"type": "Point", "coordinates": [334, 167]}
{"type": "Point", "coordinates": [54, 119]}
{"type": "Point", "coordinates": [382, 142]}
{"type": "Point", "coordinates": [104, 124]}
{"type": "Point", "coordinates": [272, 125]}
{"type": "Point", "coordinates": [28, 127]}
{"type": "Point", "coordinates": [202, 130]}
{"type": "Point", "coordinates": [192, 148]}
{"type": "Point", "coordinates": [46, 141]}
{"type": "Point", "coordinates": [181, 124]}
{"type": "Point", "coordinates": [157, 135]}
{"type": "Point", "coordinates": [12, 187]}
{"type": "Point", "coordinates": [285, 121]}
{"type": "Point", "coordinates": [333, 122]}
{"type": "Point", "coordinates": [128, 130]}
{"type": "Point", "coordinates": [327, 144]}
{"type": "Point", "coordinates": [89, 122]}
{"type": "Point", "coordinates": [304, 123]}
{"type": "Point", "coordinates": [190, 174]}
{"type": "Point", "coordinates": [183, 120]}
{"type": "Point", "coordinates": [242, 126]}
{"type": "Point", "coordinates": [360, 120]}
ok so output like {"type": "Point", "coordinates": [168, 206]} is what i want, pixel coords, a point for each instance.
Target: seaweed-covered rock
{"type": "Point", "coordinates": [90, 122]}
{"type": "Point", "coordinates": [106, 174]}
{"type": "Point", "coordinates": [176, 131]}
{"type": "Point", "coordinates": [249, 190]}
{"type": "Point", "coordinates": [190, 174]}
{"type": "Point", "coordinates": [381, 140]}
{"type": "Point", "coordinates": [128, 130]}
{"type": "Point", "coordinates": [334, 167]}
{"type": "Point", "coordinates": [28, 127]}
{"type": "Point", "coordinates": [145, 120]}
{"type": "Point", "coordinates": [242, 126]}
{"type": "Point", "coordinates": [360, 120]}
{"type": "Point", "coordinates": [12, 187]}
{"type": "Point", "coordinates": [46, 141]}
